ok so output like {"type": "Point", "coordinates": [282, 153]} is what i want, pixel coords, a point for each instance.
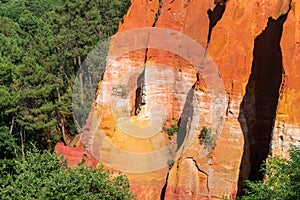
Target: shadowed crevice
{"type": "Point", "coordinates": [258, 108]}
{"type": "Point", "coordinates": [215, 15]}
{"type": "Point", "coordinates": [158, 13]}
{"type": "Point", "coordinates": [163, 190]}
{"type": "Point", "coordinates": [185, 117]}
{"type": "Point", "coordinates": [140, 91]}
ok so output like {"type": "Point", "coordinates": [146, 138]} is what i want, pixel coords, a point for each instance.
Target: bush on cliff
{"type": "Point", "coordinates": [44, 176]}
{"type": "Point", "coordinates": [282, 180]}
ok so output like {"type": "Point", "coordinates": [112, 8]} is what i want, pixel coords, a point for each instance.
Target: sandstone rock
{"type": "Point", "coordinates": [75, 155]}
{"type": "Point", "coordinates": [167, 71]}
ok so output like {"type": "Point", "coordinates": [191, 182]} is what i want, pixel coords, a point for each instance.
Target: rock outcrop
{"type": "Point", "coordinates": [76, 155]}
{"type": "Point", "coordinates": [231, 66]}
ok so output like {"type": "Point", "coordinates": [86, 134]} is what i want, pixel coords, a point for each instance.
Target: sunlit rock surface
{"type": "Point", "coordinates": [254, 45]}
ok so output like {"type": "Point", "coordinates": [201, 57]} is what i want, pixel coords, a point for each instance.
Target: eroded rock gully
{"type": "Point", "coordinates": [141, 91]}
{"type": "Point", "coordinates": [259, 105]}
{"type": "Point", "coordinates": [254, 44]}
{"type": "Point", "coordinates": [214, 16]}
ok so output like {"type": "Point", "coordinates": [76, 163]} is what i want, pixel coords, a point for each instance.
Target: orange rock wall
{"type": "Point", "coordinates": [197, 174]}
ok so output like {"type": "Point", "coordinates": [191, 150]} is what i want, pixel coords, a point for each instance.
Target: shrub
{"type": "Point", "coordinates": [170, 163]}
{"type": "Point", "coordinates": [171, 127]}
{"type": "Point", "coordinates": [44, 176]}
{"type": "Point", "coordinates": [207, 138]}
{"type": "Point", "coordinates": [282, 180]}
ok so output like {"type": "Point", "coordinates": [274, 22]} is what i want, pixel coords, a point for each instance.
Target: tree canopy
{"type": "Point", "coordinates": [43, 44]}
{"type": "Point", "coordinates": [42, 175]}
{"type": "Point", "coordinates": [282, 180]}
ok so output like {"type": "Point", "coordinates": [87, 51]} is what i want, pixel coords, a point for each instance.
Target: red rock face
{"type": "Point", "coordinates": [232, 66]}
{"type": "Point", "coordinates": [76, 155]}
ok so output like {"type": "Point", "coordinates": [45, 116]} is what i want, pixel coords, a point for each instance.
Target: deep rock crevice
{"type": "Point", "coordinates": [259, 105]}
{"type": "Point", "coordinates": [215, 16]}
{"type": "Point", "coordinates": [158, 13]}
{"type": "Point", "coordinates": [140, 91]}
{"type": "Point", "coordinates": [163, 190]}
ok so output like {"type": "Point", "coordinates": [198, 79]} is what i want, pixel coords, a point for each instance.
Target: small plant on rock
{"type": "Point", "coordinates": [170, 162]}
{"type": "Point", "coordinates": [171, 127]}
{"type": "Point", "coordinates": [207, 138]}
{"type": "Point", "coordinates": [171, 154]}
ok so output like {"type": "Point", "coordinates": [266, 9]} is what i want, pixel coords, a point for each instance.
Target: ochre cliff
{"type": "Point", "coordinates": [232, 66]}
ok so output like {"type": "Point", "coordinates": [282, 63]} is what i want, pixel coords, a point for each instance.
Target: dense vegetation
{"type": "Point", "coordinates": [282, 181]}
{"type": "Point", "coordinates": [45, 176]}
{"type": "Point", "coordinates": [43, 44]}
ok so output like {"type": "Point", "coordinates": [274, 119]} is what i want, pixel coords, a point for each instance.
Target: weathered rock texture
{"type": "Point", "coordinates": [255, 46]}
{"type": "Point", "coordinates": [76, 155]}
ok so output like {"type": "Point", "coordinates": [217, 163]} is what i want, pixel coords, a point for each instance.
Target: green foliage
{"type": "Point", "coordinates": [171, 154]}
{"type": "Point", "coordinates": [170, 163]}
{"type": "Point", "coordinates": [42, 45]}
{"type": "Point", "coordinates": [170, 127]}
{"type": "Point", "coordinates": [87, 80]}
{"type": "Point", "coordinates": [207, 138]}
{"type": "Point", "coordinates": [172, 130]}
{"type": "Point", "coordinates": [45, 176]}
{"type": "Point", "coordinates": [282, 180]}
{"type": "Point", "coordinates": [79, 26]}
{"type": "Point", "coordinates": [14, 8]}
{"type": "Point", "coordinates": [8, 144]}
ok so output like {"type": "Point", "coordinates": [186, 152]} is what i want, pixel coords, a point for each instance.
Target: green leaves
{"type": "Point", "coordinates": [282, 180]}
{"type": "Point", "coordinates": [44, 176]}
{"type": "Point", "coordinates": [7, 143]}
{"type": "Point", "coordinates": [42, 45]}
{"type": "Point", "coordinates": [207, 138]}
{"type": "Point", "coordinates": [14, 8]}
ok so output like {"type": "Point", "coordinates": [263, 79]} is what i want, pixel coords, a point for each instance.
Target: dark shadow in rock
{"type": "Point", "coordinates": [139, 93]}
{"type": "Point", "coordinates": [215, 15]}
{"type": "Point", "coordinates": [258, 108]}
{"type": "Point", "coordinates": [163, 190]}
{"type": "Point", "coordinates": [185, 118]}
